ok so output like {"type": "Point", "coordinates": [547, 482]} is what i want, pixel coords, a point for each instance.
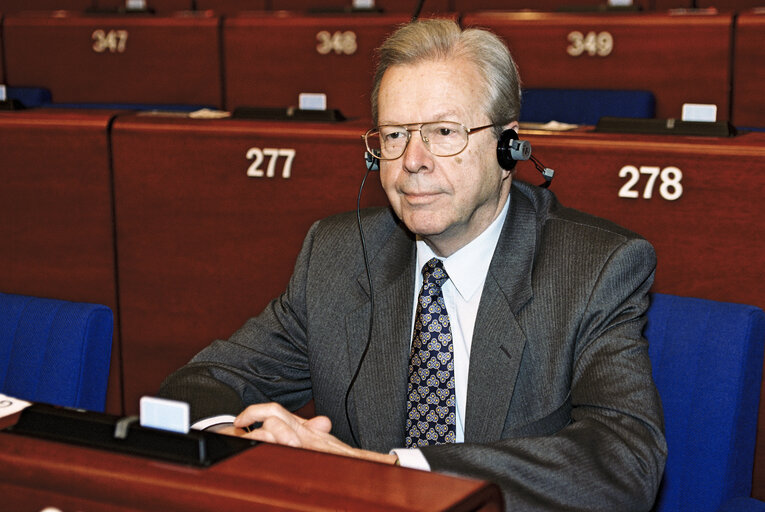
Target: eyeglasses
{"type": "Point", "coordinates": [442, 138]}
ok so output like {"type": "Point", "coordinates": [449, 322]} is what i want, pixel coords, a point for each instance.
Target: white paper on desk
{"type": "Point", "coordinates": [10, 405]}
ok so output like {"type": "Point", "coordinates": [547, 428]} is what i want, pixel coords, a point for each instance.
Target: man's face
{"type": "Point", "coordinates": [448, 201]}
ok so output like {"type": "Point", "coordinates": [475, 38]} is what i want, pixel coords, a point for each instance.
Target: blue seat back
{"type": "Point", "coordinates": [584, 106]}
{"type": "Point", "coordinates": [707, 361]}
{"type": "Point", "coordinates": [55, 351]}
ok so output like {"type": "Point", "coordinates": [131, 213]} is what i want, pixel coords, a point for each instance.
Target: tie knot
{"type": "Point", "coordinates": [433, 272]}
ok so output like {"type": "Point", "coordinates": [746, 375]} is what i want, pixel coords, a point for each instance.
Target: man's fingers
{"type": "Point", "coordinates": [320, 423]}
{"type": "Point", "coordinates": [260, 412]}
{"type": "Point", "coordinates": [282, 432]}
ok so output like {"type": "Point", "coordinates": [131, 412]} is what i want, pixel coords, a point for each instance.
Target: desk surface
{"type": "Point", "coordinates": [35, 473]}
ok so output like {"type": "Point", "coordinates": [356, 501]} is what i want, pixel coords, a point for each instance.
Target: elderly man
{"type": "Point", "coordinates": [505, 339]}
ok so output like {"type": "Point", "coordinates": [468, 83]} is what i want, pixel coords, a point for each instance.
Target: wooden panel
{"type": "Point", "coordinates": [307, 5]}
{"type": "Point", "coordinates": [203, 246]}
{"type": "Point", "coordinates": [564, 5]}
{"type": "Point", "coordinates": [387, 6]}
{"type": "Point", "coordinates": [407, 6]}
{"type": "Point", "coordinates": [232, 7]}
{"type": "Point", "coordinates": [165, 7]}
{"type": "Point", "coordinates": [709, 239]}
{"type": "Point", "coordinates": [266, 69]}
{"type": "Point", "coordinates": [56, 222]}
{"type": "Point", "coordinates": [2, 52]}
{"type": "Point", "coordinates": [265, 477]}
{"type": "Point", "coordinates": [731, 5]}
{"type": "Point", "coordinates": [162, 7]}
{"type": "Point", "coordinates": [655, 52]}
{"type": "Point", "coordinates": [113, 59]}
{"type": "Point", "coordinates": [14, 6]}
{"type": "Point", "coordinates": [710, 208]}
{"type": "Point", "coordinates": [749, 70]}
{"type": "Point", "coordinates": [540, 5]}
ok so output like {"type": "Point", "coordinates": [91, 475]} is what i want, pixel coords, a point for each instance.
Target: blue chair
{"type": "Point", "coordinates": [55, 351]}
{"type": "Point", "coordinates": [707, 361]}
{"type": "Point", "coordinates": [584, 106]}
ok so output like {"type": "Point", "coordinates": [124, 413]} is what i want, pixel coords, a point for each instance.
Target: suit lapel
{"type": "Point", "coordinates": [498, 340]}
{"type": "Point", "coordinates": [379, 393]}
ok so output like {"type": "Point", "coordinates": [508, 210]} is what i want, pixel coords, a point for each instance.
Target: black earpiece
{"type": "Point", "coordinates": [372, 161]}
{"type": "Point", "coordinates": [510, 149]}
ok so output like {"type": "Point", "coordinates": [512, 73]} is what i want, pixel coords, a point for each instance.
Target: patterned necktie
{"type": "Point", "coordinates": [431, 415]}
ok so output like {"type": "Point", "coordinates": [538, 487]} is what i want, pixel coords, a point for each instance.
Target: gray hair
{"type": "Point", "coordinates": [437, 39]}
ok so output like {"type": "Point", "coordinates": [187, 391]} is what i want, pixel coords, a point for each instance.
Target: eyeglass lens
{"type": "Point", "coordinates": [442, 138]}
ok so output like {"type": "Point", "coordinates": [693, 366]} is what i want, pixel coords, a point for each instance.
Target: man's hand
{"type": "Point", "coordinates": [279, 426]}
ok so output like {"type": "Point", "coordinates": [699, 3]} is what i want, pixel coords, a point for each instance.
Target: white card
{"type": "Point", "coordinates": [699, 112]}
{"type": "Point", "coordinates": [165, 414]}
{"type": "Point", "coordinates": [10, 405]}
{"type": "Point", "coordinates": [312, 101]}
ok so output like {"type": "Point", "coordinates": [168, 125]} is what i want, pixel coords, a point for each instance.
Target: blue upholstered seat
{"type": "Point", "coordinates": [707, 362]}
{"type": "Point", "coordinates": [55, 351]}
{"type": "Point", "coordinates": [584, 106]}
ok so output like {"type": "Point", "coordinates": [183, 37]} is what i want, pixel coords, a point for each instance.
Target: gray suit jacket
{"type": "Point", "coordinates": [562, 411]}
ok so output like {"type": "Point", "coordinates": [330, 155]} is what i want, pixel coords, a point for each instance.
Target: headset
{"type": "Point", "coordinates": [509, 151]}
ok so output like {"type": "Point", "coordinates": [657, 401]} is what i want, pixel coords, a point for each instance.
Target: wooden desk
{"type": "Point", "coordinates": [35, 474]}
{"type": "Point", "coordinates": [657, 52]}
{"type": "Point", "coordinates": [210, 218]}
{"type": "Point", "coordinates": [749, 71]}
{"type": "Point", "coordinates": [271, 58]}
{"type": "Point", "coordinates": [116, 59]}
{"type": "Point", "coordinates": [56, 221]}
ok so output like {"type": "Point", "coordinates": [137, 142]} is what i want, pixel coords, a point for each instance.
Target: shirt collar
{"type": "Point", "coordinates": [467, 268]}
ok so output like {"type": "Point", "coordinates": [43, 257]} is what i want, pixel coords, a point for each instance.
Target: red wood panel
{"type": "Point", "coordinates": [387, 6]}
{"type": "Point", "coordinates": [563, 5]}
{"type": "Point", "coordinates": [116, 59]}
{"type": "Point", "coordinates": [306, 5]}
{"type": "Point", "coordinates": [2, 52]}
{"type": "Point", "coordinates": [35, 474]}
{"type": "Point", "coordinates": [731, 5]}
{"type": "Point", "coordinates": [165, 7]}
{"type": "Point", "coordinates": [203, 246]}
{"type": "Point", "coordinates": [407, 6]}
{"type": "Point", "coordinates": [14, 6]}
{"type": "Point", "coordinates": [705, 215]}
{"type": "Point", "coordinates": [539, 5]}
{"type": "Point", "coordinates": [704, 212]}
{"type": "Point", "coordinates": [56, 222]}
{"type": "Point", "coordinates": [658, 52]}
{"type": "Point", "coordinates": [157, 6]}
{"type": "Point", "coordinates": [271, 58]}
{"type": "Point", "coordinates": [749, 70]}
{"type": "Point", "coordinates": [232, 7]}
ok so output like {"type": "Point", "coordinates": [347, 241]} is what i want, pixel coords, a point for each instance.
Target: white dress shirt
{"type": "Point", "coordinates": [467, 269]}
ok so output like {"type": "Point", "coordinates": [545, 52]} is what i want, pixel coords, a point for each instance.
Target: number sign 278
{"type": "Point", "coordinates": [669, 178]}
